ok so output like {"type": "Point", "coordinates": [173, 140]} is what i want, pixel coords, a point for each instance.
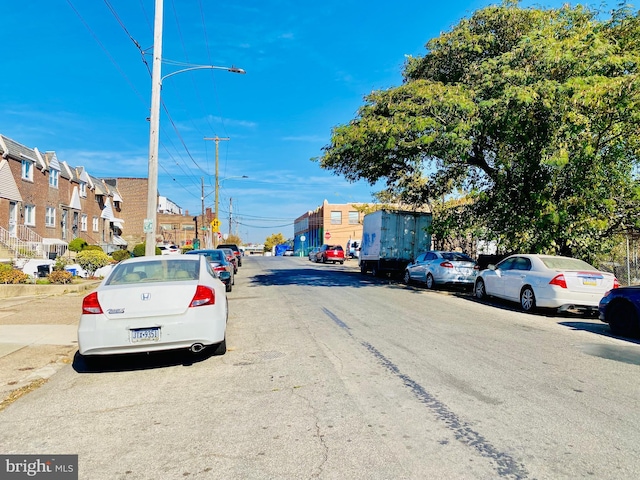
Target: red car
{"type": "Point", "coordinates": [330, 253]}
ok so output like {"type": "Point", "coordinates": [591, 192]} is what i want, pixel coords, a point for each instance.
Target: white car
{"type": "Point", "coordinates": [169, 249]}
{"type": "Point", "coordinates": [545, 281]}
{"type": "Point", "coordinates": [155, 303]}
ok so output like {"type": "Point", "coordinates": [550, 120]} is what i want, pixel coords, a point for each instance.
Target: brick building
{"type": "Point", "coordinates": [330, 223]}
{"type": "Point", "coordinates": [45, 203]}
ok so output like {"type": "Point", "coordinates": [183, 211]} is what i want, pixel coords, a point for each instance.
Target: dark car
{"type": "Point", "coordinates": [620, 308]}
{"type": "Point", "coordinates": [235, 249]}
{"type": "Point", "coordinates": [231, 257]}
{"type": "Point", "coordinates": [218, 261]}
{"type": "Point", "coordinates": [330, 253]}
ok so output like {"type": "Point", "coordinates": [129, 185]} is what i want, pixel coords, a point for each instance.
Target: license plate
{"type": "Point", "coordinates": [589, 281]}
{"type": "Point", "coordinates": [145, 334]}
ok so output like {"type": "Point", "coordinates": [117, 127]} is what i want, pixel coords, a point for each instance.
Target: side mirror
{"type": "Point", "coordinates": [491, 266]}
{"type": "Point", "coordinates": [224, 276]}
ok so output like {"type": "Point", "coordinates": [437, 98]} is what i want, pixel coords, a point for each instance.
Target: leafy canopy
{"type": "Point", "coordinates": [273, 240]}
{"type": "Point", "coordinates": [532, 115]}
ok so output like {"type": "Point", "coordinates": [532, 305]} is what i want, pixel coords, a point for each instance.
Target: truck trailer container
{"type": "Point", "coordinates": [391, 239]}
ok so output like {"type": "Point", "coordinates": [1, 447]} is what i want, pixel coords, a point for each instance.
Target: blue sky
{"type": "Point", "coordinates": [74, 82]}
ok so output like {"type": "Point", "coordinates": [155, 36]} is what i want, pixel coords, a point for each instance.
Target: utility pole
{"type": "Point", "coordinates": [150, 223]}
{"type": "Point", "coordinates": [202, 223]}
{"type": "Point", "coordinates": [217, 186]}
{"type": "Point", "coordinates": [230, 210]}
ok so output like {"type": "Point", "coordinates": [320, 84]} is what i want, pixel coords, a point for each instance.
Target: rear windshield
{"type": "Point", "coordinates": [154, 271]}
{"type": "Point", "coordinates": [456, 256]}
{"type": "Point", "coordinates": [564, 263]}
{"type": "Point", "coordinates": [334, 247]}
{"type": "Point", "coordinates": [211, 255]}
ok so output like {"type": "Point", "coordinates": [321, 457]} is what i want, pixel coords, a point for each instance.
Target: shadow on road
{"type": "Point", "coordinates": [137, 361]}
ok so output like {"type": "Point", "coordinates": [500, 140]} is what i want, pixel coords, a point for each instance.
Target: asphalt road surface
{"type": "Point", "coordinates": [334, 375]}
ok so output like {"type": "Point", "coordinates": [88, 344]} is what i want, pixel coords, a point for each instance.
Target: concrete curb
{"type": "Point", "coordinates": [31, 290]}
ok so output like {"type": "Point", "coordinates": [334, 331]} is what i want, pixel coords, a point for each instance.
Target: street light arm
{"type": "Point", "coordinates": [206, 67]}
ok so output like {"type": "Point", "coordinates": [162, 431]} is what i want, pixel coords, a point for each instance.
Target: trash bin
{"type": "Point", "coordinates": [72, 271]}
{"type": "Point", "coordinates": [43, 271]}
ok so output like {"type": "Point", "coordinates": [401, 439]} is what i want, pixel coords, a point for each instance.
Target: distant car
{"type": "Point", "coordinates": [620, 308]}
{"type": "Point", "coordinates": [546, 281]}
{"type": "Point", "coordinates": [288, 252]}
{"type": "Point", "coordinates": [149, 304]}
{"type": "Point", "coordinates": [353, 249]}
{"type": "Point", "coordinates": [441, 268]}
{"type": "Point", "coordinates": [221, 266]}
{"type": "Point", "coordinates": [235, 249]}
{"type": "Point", "coordinates": [169, 249]}
{"type": "Point", "coordinates": [312, 254]}
{"type": "Point", "coordinates": [231, 258]}
{"type": "Point", "coordinates": [330, 253]}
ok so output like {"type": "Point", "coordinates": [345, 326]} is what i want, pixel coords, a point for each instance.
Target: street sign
{"type": "Point", "coordinates": [327, 236]}
{"type": "Point", "coordinates": [147, 225]}
{"type": "Point", "coordinates": [303, 238]}
{"type": "Point", "coordinates": [215, 224]}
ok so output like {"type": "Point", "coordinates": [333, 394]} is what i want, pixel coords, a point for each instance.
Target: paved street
{"type": "Point", "coordinates": [331, 374]}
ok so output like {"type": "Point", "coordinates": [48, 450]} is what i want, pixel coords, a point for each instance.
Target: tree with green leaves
{"type": "Point", "coordinates": [531, 115]}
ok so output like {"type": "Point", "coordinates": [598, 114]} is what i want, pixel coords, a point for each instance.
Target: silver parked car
{"type": "Point", "coordinates": [442, 268]}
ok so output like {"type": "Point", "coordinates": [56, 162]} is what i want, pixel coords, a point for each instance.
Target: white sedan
{"type": "Point", "coordinates": [155, 303]}
{"type": "Point", "coordinates": [545, 281]}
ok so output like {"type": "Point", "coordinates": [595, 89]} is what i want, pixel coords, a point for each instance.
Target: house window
{"type": "Point", "coordinates": [83, 222]}
{"type": "Point", "coordinates": [53, 178]}
{"type": "Point", "coordinates": [49, 217]}
{"type": "Point", "coordinates": [353, 218]}
{"type": "Point", "coordinates": [336, 218]}
{"type": "Point", "coordinates": [30, 215]}
{"type": "Point", "coordinates": [94, 224]}
{"type": "Point", "coordinates": [83, 189]}
{"type": "Point", "coordinates": [27, 170]}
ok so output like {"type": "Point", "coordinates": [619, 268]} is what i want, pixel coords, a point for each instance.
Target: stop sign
{"type": "Point", "coordinates": [327, 236]}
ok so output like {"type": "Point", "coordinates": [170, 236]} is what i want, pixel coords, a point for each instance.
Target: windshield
{"type": "Point", "coordinates": [565, 263]}
{"type": "Point", "coordinates": [154, 271]}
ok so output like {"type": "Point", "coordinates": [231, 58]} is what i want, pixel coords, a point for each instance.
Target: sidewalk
{"type": "Point", "coordinates": [38, 332]}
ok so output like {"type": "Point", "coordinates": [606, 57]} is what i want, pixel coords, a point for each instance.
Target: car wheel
{"type": "Point", "coordinates": [622, 319]}
{"type": "Point", "coordinates": [479, 290]}
{"type": "Point", "coordinates": [407, 277]}
{"type": "Point", "coordinates": [374, 271]}
{"type": "Point", "coordinates": [220, 348]}
{"type": "Point", "coordinates": [527, 299]}
{"type": "Point", "coordinates": [430, 282]}
{"type": "Point", "coordinates": [363, 269]}
{"type": "Point", "coordinates": [324, 259]}
{"type": "Point", "coordinates": [229, 287]}
{"type": "Point", "coordinates": [341, 263]}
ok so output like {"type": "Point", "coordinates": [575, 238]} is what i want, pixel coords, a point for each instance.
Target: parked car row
{"type": "Point", "coordinates": [178, 301]}
{"type": "Point", "coordinates": [536, 281]}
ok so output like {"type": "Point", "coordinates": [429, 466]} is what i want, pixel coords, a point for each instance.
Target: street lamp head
{"type": "Point", "coordinates": [237, 70]}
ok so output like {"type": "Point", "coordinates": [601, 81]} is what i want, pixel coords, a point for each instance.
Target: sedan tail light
{"type": "Point", "coordinates": [616, 283]}
{"type": "Point", "coordinates": [204, 296]}
{"type": "Point", "coordinates": [559, 281]}
{"type": "Point", "coordinates": [91, 305]}
{"type": "Point", "coordinates": [446, 264]}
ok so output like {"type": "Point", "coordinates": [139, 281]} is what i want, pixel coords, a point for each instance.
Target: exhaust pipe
{"type": "Point", "coordinates": [196, 347]}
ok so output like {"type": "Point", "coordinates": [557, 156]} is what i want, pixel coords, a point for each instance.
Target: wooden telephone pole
{"type": "Point", "coordinates": [216, 219]}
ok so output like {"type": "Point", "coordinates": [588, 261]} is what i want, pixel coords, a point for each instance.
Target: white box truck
{"type": "Point", "coordinates": [391, 239]}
